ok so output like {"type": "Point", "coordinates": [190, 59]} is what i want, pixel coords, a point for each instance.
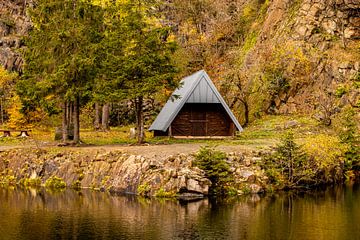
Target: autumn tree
{"type": "Point", "coordinates": [7, 83]}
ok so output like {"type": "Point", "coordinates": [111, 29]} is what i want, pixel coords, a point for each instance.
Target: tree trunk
{"type": "Point", "coordinates": [1, 111]}
{"type": "Point", "coordinates": [139, 120]}
{"type": "Point", "coordinates": [65, 128]}
{"type": "Point", "coordinates": [76, 121]}
{"type": "Point", "coordinates": [69, 115]}
{"type": "Point", "coordinates": [97, 116]}
{"type": "Point", "coordinates": [246, 113]}
{"type": "Point", "coordinates": [105, 117]}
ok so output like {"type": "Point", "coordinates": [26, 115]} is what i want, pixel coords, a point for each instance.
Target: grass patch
{"type": "Point", "coordinates": [260, 133]}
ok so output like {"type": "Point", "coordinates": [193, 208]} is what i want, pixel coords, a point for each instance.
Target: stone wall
{"type": "Point", "coordinates": [120, 172]}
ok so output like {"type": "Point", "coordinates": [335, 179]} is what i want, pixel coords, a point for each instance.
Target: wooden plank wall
{"type": "Point", "coordinates": [216, 122]}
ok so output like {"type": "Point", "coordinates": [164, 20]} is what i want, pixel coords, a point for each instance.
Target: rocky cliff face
{"type": "Point", "coordinates": [14, 24]}
{"type": "Point", "coordinates": [327, 34]}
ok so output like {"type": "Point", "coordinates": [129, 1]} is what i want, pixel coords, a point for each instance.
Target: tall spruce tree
{"type": "Point", "coordinates": [148, 65]}
{"type": "Point", "coordinates": [62, 56]}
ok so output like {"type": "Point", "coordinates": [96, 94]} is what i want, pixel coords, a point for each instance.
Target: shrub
{"type": "Point", "coordinates": [289, 165]}
{"type": "Point", "coordinates": [161, 193]}
{"type": "Point", "coordinates": [327, 153]}
{"type": "Point", "coordinates": [349, 135]}
{"type": "Point", "coordinates": [55, 183]}
{"type": "Point", "coordinates": [341, 90]}
{"type": "Point", "coordinates": [8, 180]}
{"type": "Point", "coordinates": [217, 170]}
{"type": "Point", "coordinates": [76, 185]}
{"type": "Point", "coordinates": [31, 182]}
{"type": "Point", "coordinates": [318, 161]}
{"type": "Point", "coordinates": [144, 190]}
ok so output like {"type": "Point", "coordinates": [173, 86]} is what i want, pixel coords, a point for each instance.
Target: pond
{"type": "Point", "coordinates": [327, 214]}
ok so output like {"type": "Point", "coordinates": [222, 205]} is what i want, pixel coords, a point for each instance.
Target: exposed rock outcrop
{"type": "Point", "coordinates": [14, 25]}
{"type": "Point", "coordinates": [326, 33]}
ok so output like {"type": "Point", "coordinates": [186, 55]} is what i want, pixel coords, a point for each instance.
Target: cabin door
{"type": "Point", "coordinates": [198, 121]}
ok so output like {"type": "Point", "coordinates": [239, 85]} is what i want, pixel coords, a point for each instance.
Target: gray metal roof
{"type": "Point", "coordinates": [197, 88]}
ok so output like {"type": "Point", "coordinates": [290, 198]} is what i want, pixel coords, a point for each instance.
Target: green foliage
{"type": "Point", "coordinates": [217, 170]}
{"type": "Point", "coordinates": [245, 188]}
{"type": "Point", "coordinates": [55, 183]}
{"type": "Point", "coordinates": [318, 161]}
{"type": "Point", "coordinates": [349, 135]}
{"type": "Point", "coordinates": [277, 81]}
{"type": "Point", "coordinates": [341, 91]}
{"type": "Point", "coordinates": [61, 51]}
{"type": "Point", "coordinates": [161, 193]}
{"type": "Point", "coordinates": [8, 180]}
{"type": "Point", "coordinates": [136, 55]}
{"type": "Point", "coordinates": [62, 55]}
{"type": "Point", "coordinates": [288, 165]}
{"type": "Point", "coordinates": [231, 192]}
{"type": "Point", "coordinates": [356, 80]}
{"type": "Point", "coordinates": [31, 182]}
{"type": "Point", "coordinates": [7, 20]}
{"type": "Point", "coordinates": [248, 45]}
{"type": "Point", "coordinates": [144, 190]}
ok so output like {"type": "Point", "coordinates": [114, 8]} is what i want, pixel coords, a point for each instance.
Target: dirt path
{"type": "Point", "coordinates": [152, 151]}
{"type": "Point", "coordinates": [149, 151]}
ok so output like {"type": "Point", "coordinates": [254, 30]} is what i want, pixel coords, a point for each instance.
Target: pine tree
{"type": "Point", "coordinates": [62, 56]}
{"type": "Point", "coordinates": [148, 52]}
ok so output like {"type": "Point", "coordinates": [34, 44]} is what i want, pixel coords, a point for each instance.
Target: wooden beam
{"type": "Point", "coordinates": [170, 131]}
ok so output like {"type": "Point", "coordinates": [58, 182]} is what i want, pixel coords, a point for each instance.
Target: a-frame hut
{"type": "Point", "coordinates": [196, 109]}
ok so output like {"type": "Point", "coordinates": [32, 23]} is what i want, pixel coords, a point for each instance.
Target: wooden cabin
{"type": "Point", "coordinates": [196, 109]}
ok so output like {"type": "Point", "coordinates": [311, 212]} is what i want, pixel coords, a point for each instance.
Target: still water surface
{"type": "Point", "coordinates": [328, 214]}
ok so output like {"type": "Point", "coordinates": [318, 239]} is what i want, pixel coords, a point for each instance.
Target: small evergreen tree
{"type": "Point", "coordinates": [289, 165]}
{"type": "Point", "coordinates": [350, 136]}
{"type": "Point", "coordinates": [217, 170]}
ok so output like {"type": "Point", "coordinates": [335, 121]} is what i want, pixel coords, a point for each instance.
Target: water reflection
{"type": "Point", "coordinates": [328, 214]}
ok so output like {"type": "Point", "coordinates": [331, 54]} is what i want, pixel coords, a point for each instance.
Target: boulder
{"type": "Point", "coordinates": [291, 124]}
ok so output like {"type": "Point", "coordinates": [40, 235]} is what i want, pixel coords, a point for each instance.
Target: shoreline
{"type": "Point", "coordinates": [159, 174]}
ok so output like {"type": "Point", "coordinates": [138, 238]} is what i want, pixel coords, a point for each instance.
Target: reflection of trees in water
{"type": "Point", "coordinates": [322, 214]}
{"type": "Point", "coordinates": [327, 214]}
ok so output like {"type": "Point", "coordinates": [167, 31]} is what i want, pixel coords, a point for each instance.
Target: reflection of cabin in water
{"type": "Point", "coordinates": [196, 109]}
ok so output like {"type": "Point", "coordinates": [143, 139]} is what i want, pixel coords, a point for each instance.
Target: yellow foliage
{"type": "Point", "coordinates": [19, 120]}
{"type": "Point", "coordinates": [7, 82]}
{"type": "Point", "coordinates": [325, 149]}
{"type": "Point", "coordinates": [293, 61]}
{"type": "Point", "coordinates": [16, 118]}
